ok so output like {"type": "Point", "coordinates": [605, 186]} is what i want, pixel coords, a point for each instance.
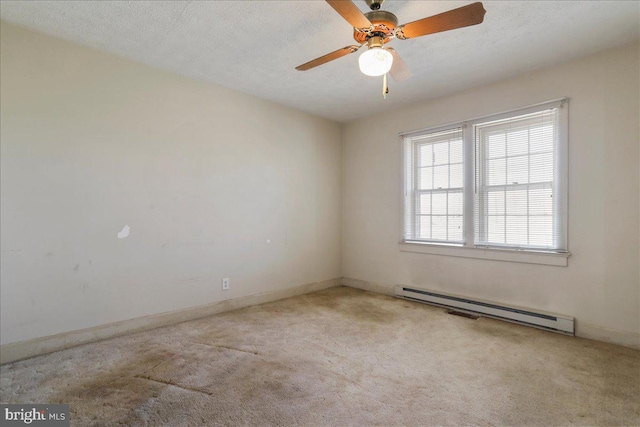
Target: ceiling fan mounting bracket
{"type": "Point", "coordinates": [400, 34]}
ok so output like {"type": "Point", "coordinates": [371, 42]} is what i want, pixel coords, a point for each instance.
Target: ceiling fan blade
{"type": "Point", "coordinates": [399, 70]}
{"type": "Point", "coordinates": [328, 57]}
{"type": "Point", "coordinates": [457, 18]}
{"type": "Point", "coordinates": [350, 12]}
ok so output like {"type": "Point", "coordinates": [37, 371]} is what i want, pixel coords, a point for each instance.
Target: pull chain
{"type": "Point", "coordinates": [385, 87]}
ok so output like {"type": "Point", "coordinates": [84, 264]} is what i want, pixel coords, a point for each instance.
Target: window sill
{"type": "Point", "coordinates": [510, 255]}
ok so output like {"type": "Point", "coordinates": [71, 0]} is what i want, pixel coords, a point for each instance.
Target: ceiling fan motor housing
{"type": "Point", "coordinates": [383, 25]}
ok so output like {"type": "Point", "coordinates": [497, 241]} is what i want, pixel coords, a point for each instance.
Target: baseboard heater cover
{"type": "Point", "coordinates": [549, 321]}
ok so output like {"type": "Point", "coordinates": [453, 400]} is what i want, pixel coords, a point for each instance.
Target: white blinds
{"type": "Point", "coordinates": [434, 199]}
{"type": "Point", "coordinates": [516, 202]}
{"type": "Point", "coordinates": [498, 181]}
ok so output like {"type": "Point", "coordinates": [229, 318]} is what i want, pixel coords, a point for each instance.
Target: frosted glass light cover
{"type": "Point", "coordinates": [375, 62]}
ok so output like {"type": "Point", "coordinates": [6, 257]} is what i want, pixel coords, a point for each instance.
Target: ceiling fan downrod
{"type": "Point", "coordinates": [374, 4]}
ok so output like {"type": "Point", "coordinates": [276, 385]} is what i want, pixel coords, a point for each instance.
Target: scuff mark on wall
{"type": "Point", "coordinates": [124, 233]}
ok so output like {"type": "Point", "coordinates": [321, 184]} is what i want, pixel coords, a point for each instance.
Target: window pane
{"type": "Point", "coordinates": [495, 202]}
{"type": "Point", "coordinates": [426, 178]}
{"type": "Point", "coordinates": [496, 146]}
{"type": "Point", "coordinates": [495, 230]}
{"type": "Point", "coordinates": [425, 204]}
{"type": "Point", "coordinates": [439, 227]}
{"type": "Point", "coordinates": [426, 155]}
{"type": "Point", "coordinates": [441, 176]}
{"type": "Point", "coordinates": [542, 167]}
{"type": "Point", "coordinates": [518, 170]}
{"type": "Point", "coordinates": [541, 231]}
{"type": "Point", "coordinates": [516, 227]}
{"type": "Point", "coordinates": [455, 151]}
{"type": "Point", "coordinates": [497, 172]}
{"type": "Point", "coordinates": [455, 204]}
{"type": "Point", "coordinates": [540, 202]}
{"type": "Point", "coordinates": [455, 228]}
{"type": "Point", "coordinates": [425, 227]}
{"type": "Point", "coordinates": [517, 202]}
{"type": "Point", "coordinates": [518, 142]}
{"type": "Point", "coordinates": [541, 139]}
{"type": "Point", "coordinates": [441, 153]}
{"type": "Point", "coordinates": [439, 206]}
{"type": "Point", "coordinates": [456, 176]}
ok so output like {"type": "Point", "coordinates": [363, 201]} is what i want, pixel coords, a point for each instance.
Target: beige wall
{"type": "Point", "coordinates": [212, 182]}
{"type": "Point", "coordinates": [600, 287]}
{"type": "Point", "coordinates": [215, 183]}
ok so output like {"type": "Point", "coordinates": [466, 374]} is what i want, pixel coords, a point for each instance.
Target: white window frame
{"type": "Point", "coordinates": [468, 249]}
{"type": "Point", "coordinates": [413, 152]}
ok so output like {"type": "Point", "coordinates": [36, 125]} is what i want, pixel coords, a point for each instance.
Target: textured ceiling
{"type": "Point", "coordinates": [254, 46]}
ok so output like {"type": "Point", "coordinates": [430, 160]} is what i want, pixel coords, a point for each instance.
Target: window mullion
{"type": "Point", "coordinates": [418, 160]}
{"type": "Point", "coordinates": [528, 181]}
{"type": "Point", "coordinates": [468, 184]}
{"type": "Point", "coordinates": [446, 224]}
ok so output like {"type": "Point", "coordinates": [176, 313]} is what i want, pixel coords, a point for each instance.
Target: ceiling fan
{"type": "Point", "coordinates": [377, 28]}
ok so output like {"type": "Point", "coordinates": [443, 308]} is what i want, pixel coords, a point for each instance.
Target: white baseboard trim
{"type": "Point", "coordinates": [35, 347]}
{"type": "Point", "coordinates": [583, 330]}
{"type": "Point", "coordinates": [612, 336]}
{"type": "Point", "coordinates": [369, 286]}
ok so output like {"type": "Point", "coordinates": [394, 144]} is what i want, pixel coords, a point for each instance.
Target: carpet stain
{"type": "Point", "coordinates": [500, 330]}
{"type": "Point", "coordinates": [225, 347]}
{"type": "Point", "coordinates": [169, 383]}
{"type": "Point", "coordinates": [367, 310]}
{"type": "Point", "coordinates": [112, 395]}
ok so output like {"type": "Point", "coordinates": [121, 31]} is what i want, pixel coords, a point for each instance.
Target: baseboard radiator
{"type": "Point", "coordinates": [549, 321]}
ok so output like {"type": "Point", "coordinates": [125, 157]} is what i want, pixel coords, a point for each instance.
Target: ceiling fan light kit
{"type": "Point", "coordinates": [376, 61]}
{"type": "Point", "coordinates": [379, 27]}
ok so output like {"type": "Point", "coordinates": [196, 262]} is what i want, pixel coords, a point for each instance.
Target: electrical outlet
{"type": "Point", "coordinates": [225, 283]}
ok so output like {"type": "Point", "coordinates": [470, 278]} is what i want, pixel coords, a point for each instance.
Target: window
{"type": "Point", "coordinates": [497, 182]}
{"type": "Point", "coordinates": [437, 177]}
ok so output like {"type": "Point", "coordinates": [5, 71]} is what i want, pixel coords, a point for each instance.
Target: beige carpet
{"type": "Point", "coordinates": [338, 357]}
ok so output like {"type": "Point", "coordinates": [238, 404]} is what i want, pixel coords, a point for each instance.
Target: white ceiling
{"type": "Point", "coordinates": [254, 46]}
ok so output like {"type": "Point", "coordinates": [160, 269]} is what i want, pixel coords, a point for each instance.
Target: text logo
{"type": "Point", "coordinates": [40, 415]}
